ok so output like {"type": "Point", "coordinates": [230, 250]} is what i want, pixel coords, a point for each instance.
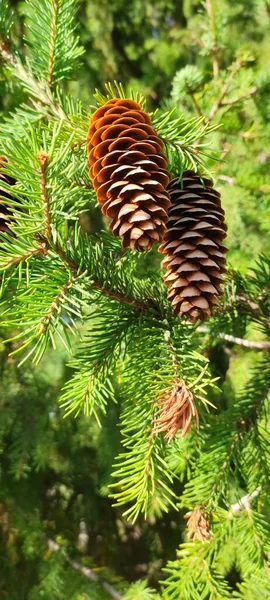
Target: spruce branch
{"type": "Point", "coordinates": [244, 502]}
{"type": "Point", "coordinates": [235, 68]}
{"type": "Point", "coordinates": [42, 158]}
{"type": "Point", "coordinates": [53, 309]}
{"type": "Point", "coordinates": [39, 90]}
{"type": "Point", "coordinates": [196, 105]}
{"type": "Point", "coordinates": [221, 448]}
{"type": "Point", "coordinates": [52, 41]}
{"type": "Point", "coordinates": [249, 94]}
{"type": "Point", "coordinates": [53, 47]}
{"type": "Point", "coordinates": [17, 258]}
{"type": "Point", "coordinates": [236, 340]}
{"type": "Point", "coordinates": [182, 141]}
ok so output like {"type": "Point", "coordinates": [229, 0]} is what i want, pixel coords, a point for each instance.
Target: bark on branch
{"type": "Point", "coordinates": [236, 340]}
{"type": "Point", "coordinates": [244, 502]}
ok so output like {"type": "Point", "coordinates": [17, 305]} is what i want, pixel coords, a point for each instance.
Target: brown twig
{"type": "Point", "coordinates": [217, 105]}
{"type": "Point", "coordinates": [236, 340]}
{"type": "Point", "coordinates": [43, 158]}
{"type": "Point", "coordinates": [85, 571]}
{"type": "Point", "coordinates": [195, 102]}
{"type": "Point", "coordinates": [55, 9]}
{"type": "Point", "coordinates": [248, 94]}
{"type": "Point", "coordinates": [15, 260]}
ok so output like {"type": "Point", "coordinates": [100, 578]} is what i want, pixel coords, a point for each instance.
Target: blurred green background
{"type": "Point", "coordinates": [55, 473]}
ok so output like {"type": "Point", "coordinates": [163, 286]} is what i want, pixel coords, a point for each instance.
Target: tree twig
{"type": "Point", "coordinates": [229, 180]}
{"type": "Point", "coordinates": [236, 340]}
{"type": "Point", "coordinates": [40, 90]}
{"type": "Point", "coordinates": [142, 305]}
{"type": "Point", "coordinates": [248, 94]}
{"type": "Point", "coordinates": [15, 260]}
{"type": "Point", "coordinates": [215, 46]}
{"type": "Point", "coordinates": [195, 103]}
{"type": "Point", "coordinates": [217, 105]}
{"type": "Point", "coordinates": [42, 158]}
{"type": "Point", "coordinates": [86, 571]}
{"type": "Point", "coordinates": [244, 502]}
{"type": "Point", "coordinates": [55, 9]}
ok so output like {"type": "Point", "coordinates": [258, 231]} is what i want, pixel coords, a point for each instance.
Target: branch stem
{"type": "Point", "coordinates": [39, 90]}
{"type": "Point", "coordinates": [244, 502]}
{"type": "Point", "coordinates": [85, 571]}
{"type": "Point", "coordinates": [215, 47]}
{"type": "Point", "coordinates": [55, 9]}
{"type": "Point", "coordinates": [43, 158]}
{"type": "Point", "coordinates": [236, 340]}
{"type": "Point", "coordinates": [217, 105]}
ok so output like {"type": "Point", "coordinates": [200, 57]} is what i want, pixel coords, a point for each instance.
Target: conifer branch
{"type": "Point", "coordinates": [236, 340]}
{"type": "Point", "coordinates": [217, 105]}
{"type": "Point", "coordinates": [52, 41]}
{"type": "Point", "coordinates": [54, 307]}
{"type": "Point", "coordinates": [15, 260]}
{"type": "Point", "coordinates": [244, 502]}
{"type": "Point", "coordinates": [42, 158]}
{"type": "Point", "coordinates": [226, 462]}
{"type": "Point", "coordinates": [141, 305]}
{"type": "Point", "coordinates": [196, 105]}
{"type": "Point", "coordinates": [85, 571]}
{"type": "Point", "coordinates": [37, 89]}
{"type": "Point", "coordinates": [243, 425]}
{"type": "Point", "coordinates": [248, 94]}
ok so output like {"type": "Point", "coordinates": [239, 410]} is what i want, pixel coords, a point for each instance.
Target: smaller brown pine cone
{"type": "Point", "coordinates": [4, 211]}
{"type": "Point", "coordinates": [198, 525]}
{"type": "Point", "coordinates": [195, 261]}
{"type": "Point", "coordinates": [128, 169]}
{"type": "Point", "coordinates": [176, 409]}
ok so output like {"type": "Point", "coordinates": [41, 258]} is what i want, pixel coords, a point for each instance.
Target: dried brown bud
{"type": "Point", "coordinates": [198, 525]}
{"type": "Point", "coordinates": [42, 158]}
{"type": "Point", "coordinates": [176, 410]}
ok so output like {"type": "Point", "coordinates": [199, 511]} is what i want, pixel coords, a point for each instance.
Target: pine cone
{"type": "Point", "coordinates": [176, 409]}
{"type": "Point", "coordinates": [198, 525]}
{"type": "Point", "coordinates": [194, 260]}
{"type": "Point", "coordinates": [4, 211]}
{"type": "Point", "coordinates": [128, 169]}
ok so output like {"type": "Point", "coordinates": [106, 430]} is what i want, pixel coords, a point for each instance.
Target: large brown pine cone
{"type": "Point", "coordinates": [194, 261]}
{"type": "Point", "coordinates": [128, 169]}
{"type": "Point", "coordinates": [4, 211]}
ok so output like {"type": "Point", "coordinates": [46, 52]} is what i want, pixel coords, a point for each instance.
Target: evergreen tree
{"type": "Point", "coordinates": [191, 452]}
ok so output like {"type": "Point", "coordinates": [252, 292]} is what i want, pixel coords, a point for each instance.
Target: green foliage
{"type": "Point", "coordinates": [54, 49]}
{"type": "Point", "coordinates": [98, 317]}
{"type": "Point", "coordinates": [186, 81]}
{"type": "Point", "coordinates": [140, 591]}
